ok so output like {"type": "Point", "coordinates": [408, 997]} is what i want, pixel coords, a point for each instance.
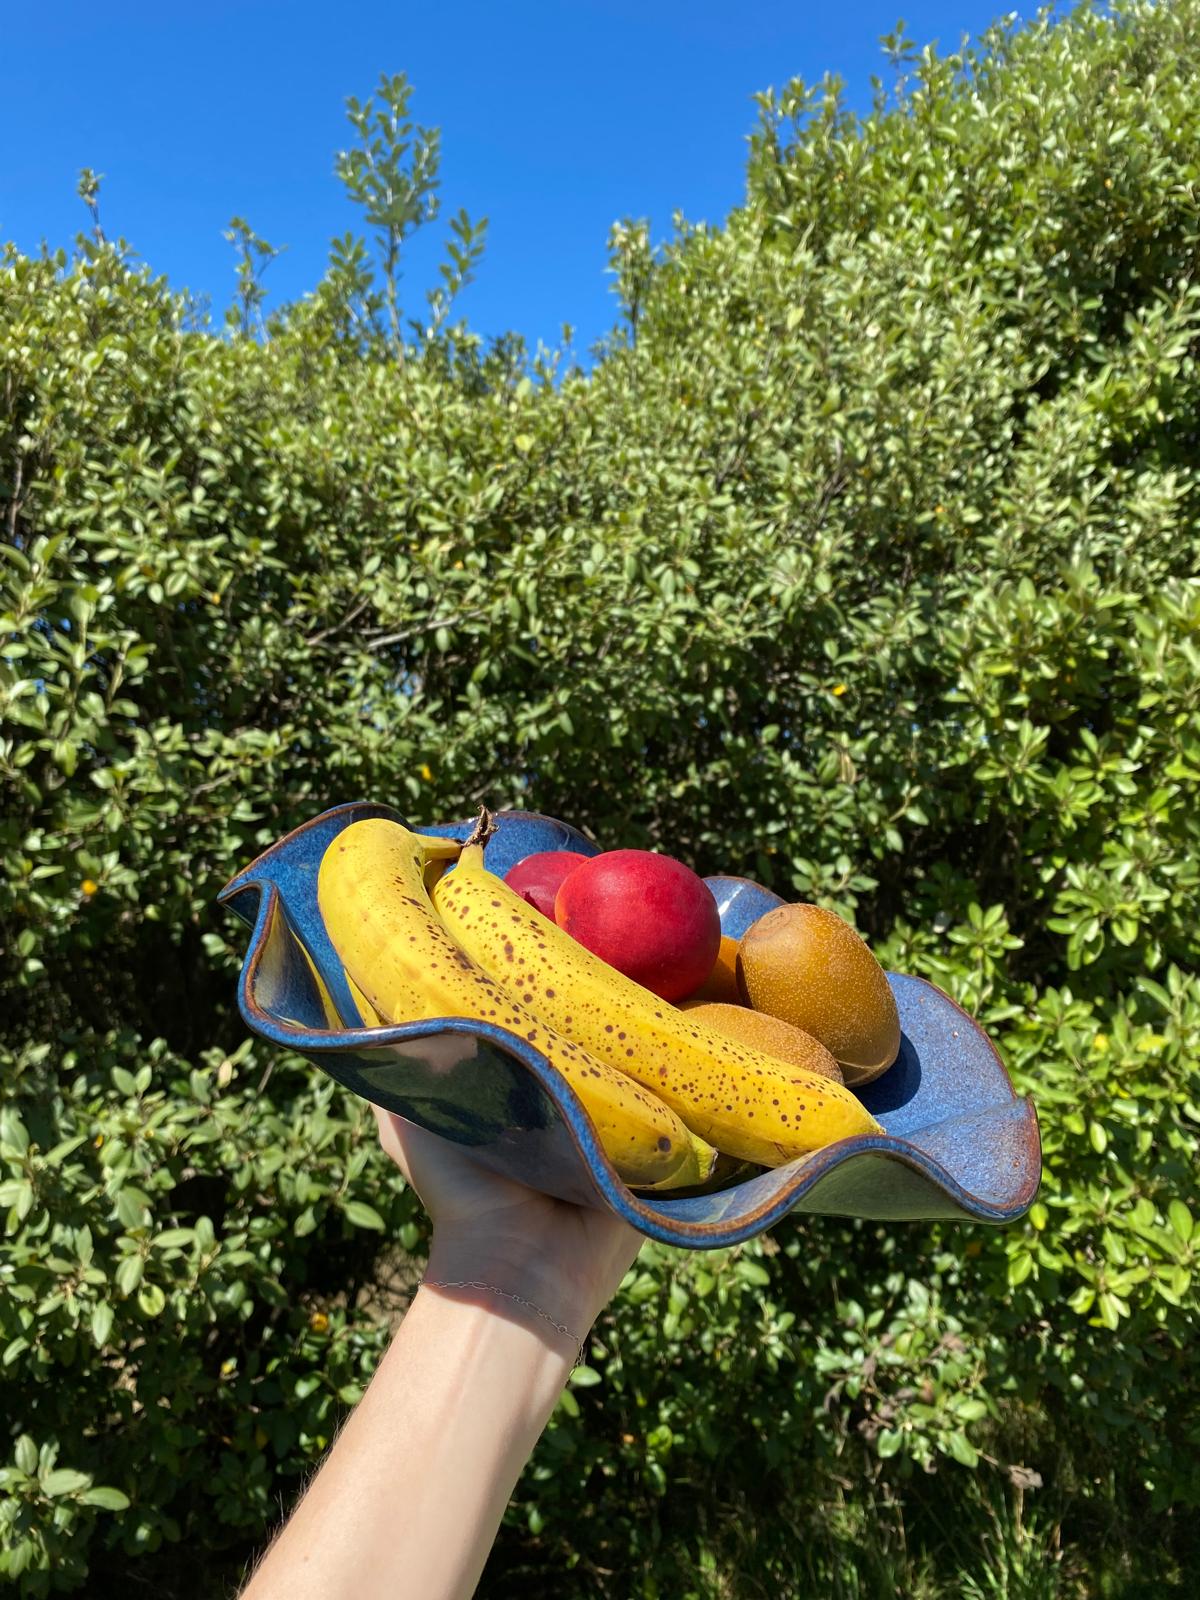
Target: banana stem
{"type": "Point", "coordinates": [485, 827]}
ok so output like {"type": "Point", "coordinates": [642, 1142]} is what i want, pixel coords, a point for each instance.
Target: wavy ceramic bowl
{"type": "Point", "coordinates": [959, 1143]}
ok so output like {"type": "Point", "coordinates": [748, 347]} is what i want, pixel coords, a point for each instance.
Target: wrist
{"type": "Point", "coordinates": [562, 1292]}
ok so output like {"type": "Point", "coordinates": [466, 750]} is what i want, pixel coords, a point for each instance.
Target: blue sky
{"type": "Point", "coordinates": [556, 120]}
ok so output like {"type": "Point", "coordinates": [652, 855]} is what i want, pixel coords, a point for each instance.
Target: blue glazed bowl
{"type": "Point", "coordinates": [958, 1141]}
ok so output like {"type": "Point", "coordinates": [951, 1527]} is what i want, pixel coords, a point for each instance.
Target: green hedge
{"type": "Point", "coordinates": [863, 563]}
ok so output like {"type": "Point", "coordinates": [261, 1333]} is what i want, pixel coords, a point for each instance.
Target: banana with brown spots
{"type": "Point", "coordinates": [737, 1098]}
{"type": "Point", "coordinates": [396, 950]}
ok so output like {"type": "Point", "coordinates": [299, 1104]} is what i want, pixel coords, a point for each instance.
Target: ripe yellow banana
{"type": "Point", "coordinates": [402, 961]}
{"type": "Point", "coordinates": [746, 1103]}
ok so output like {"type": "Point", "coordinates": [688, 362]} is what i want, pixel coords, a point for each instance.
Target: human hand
{"type": "Point", "coordinates": [566, 1259]}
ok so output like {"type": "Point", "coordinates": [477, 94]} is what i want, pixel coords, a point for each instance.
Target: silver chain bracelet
{"type": "Point", "coordinates": [461, 1283]}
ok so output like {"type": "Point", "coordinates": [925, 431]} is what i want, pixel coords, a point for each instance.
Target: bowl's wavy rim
{"type": "Point", "coordinates": [363, 808]}
{"type": "Point", "coordinates": [317, 1044]}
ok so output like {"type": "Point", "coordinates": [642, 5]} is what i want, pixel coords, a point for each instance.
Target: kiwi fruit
{"type": "Point", "coordinates": [768, 1034]}
{"type": "Point", "coordinates": [808, 966]}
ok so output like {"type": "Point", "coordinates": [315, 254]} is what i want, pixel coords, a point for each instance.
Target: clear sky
{"type": "Point", "coordinates": [557, 119]}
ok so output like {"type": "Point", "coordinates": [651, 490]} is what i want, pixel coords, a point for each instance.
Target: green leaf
{"type": "Point", "coordinates": [151, 1299]}
{"type": "Point", "coordinates": [21, 1557]}
{"type": "Point", "coordinates": [133, 1208]}
{"type": "Point", "coordinates": [1109, 1307]}
{"type": "Point", "coordinates": [13, 1131]}
{"type": "Point", "coordinates": [56, 1156]}
{"type": "Point", "coordinates": [1180, 1219]}
{"type": "Point", "coordinates": [889, 1442]}
{"type": "Point", "coordinates": [362, 1215]}
{"type": "Point", "coordinates": [107, 1499]}
{"type": "Point", "coordinates": [1019, 1268]}
{"type": "Point", "coordinates": [26, 1455]}
{"type": "Point", "coordinates": [64, 1481]}
{"type": "Point", "coordinates": [962, 1450]}
{"type": "Point", "coordinates": [170, 1238]}
{"type": "Point", "coordinates": [129, 1274]}
{"type": "Point", "coordinates": [19, 1194]}
{"type": "Point", "coordinates": [101, 1323]}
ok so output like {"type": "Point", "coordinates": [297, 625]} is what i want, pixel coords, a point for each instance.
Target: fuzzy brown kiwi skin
{"type": "Point", "coordinates": [773, 1037]}
{"type": "Point", "coordinates": [808, 966]}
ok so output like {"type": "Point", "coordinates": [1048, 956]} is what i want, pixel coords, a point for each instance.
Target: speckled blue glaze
{"type": "Point", "coordinates": [958, 1142]}
{"type": "Point", "coordinates": [740, 903]}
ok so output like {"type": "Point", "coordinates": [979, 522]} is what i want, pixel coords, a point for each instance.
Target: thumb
{"type": "Point", "coordinates": [392, 1131]}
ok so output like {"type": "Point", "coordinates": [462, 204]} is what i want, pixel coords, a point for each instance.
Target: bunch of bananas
{"type": "Point", "coordinates": [664, 1093]}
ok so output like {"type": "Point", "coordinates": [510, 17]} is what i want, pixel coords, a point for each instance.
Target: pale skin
{"type": "Point", "coordinates": [408, 1500]}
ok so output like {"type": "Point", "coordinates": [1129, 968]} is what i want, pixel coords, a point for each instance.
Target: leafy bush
{"type": "Point", "coordinates": [863, 563]}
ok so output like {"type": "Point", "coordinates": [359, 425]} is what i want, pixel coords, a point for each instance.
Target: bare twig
{"type": "Point", "coordinates": [335, 628]}
{"type": "Point", "coordinates": [15, 503]}
{"type": "Point", "coordinates": [404, 634]}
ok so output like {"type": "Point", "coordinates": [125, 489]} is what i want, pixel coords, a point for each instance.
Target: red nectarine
{"type": "Point", "coordinates": [647, 915]}
{"type": "Point", "coordinates": [537, 878]}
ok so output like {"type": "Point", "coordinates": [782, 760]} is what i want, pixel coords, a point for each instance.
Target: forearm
{"type": "Point", "coordinates": [409, 1500]}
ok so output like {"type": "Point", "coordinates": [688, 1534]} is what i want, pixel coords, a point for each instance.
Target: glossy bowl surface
{"type": "Point", "coordinates": [958, 1141]}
